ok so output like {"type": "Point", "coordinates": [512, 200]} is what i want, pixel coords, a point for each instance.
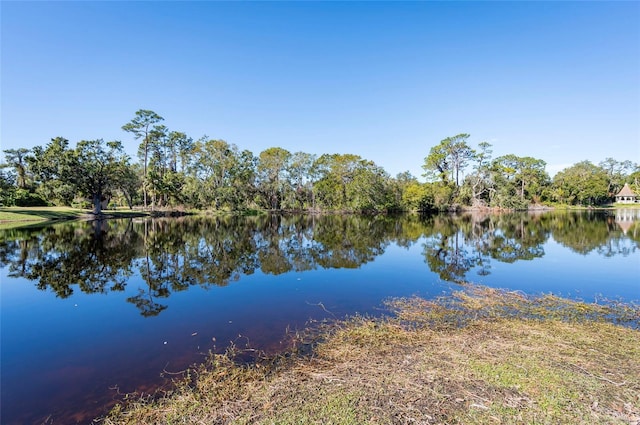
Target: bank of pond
{"type": "Point", "coordinates": [476, 356]}
{"type": "Point", "coordinates": [94, 310]}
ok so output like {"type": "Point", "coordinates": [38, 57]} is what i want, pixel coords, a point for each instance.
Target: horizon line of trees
{"type": "Point", "coordinates": [176, 171]}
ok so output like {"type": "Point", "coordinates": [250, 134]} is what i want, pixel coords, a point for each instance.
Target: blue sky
{"type": "Point", "coordinates": [559, 81]}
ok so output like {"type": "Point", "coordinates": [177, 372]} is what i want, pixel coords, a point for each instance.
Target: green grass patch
{"type": "Point", "coordinates": [619, 205]}
{"type": "Point", "coordinates": [39, 213]}
{"type": "Point", "coordinates": [12, 217]}
{"type": "Point", "coordinates": [479, 356]}
{"type": "Point", "coordinates": [612, 206]}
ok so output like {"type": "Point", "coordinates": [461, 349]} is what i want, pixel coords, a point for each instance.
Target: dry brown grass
{"type": "Point", "coordinates": [480, 356]}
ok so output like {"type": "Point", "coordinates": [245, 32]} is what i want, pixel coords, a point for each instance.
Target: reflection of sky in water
{"type": "Point", "coordinates": [87, 343]}
{"type": "Point", "coordinates": [563, 272]}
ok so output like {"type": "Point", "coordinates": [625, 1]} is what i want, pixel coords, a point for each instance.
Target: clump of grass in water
{"type": "Point", "coordinates": [479, 356]}
{"type": "Point", "coordinates": [482, 303]}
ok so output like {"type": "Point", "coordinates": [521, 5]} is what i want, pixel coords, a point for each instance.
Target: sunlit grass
{"type": "Point", "coordinates": [39, 213]}
{"type": "Point", "coordinates": [621, 205]}
{"type": "Point", "coordinates": [479, 356]}
{"type": "Point", "coordinates": [12, 217]}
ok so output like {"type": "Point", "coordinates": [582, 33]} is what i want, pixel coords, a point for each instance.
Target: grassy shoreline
{"type": "Point", "coordinates": [480, 356]}
{"type": "Point", "coordinates": [21, 215]}
{"type": "Point", "coordinates": [11, 217]}
{"type": "Point", "coordinates": [31, 214]}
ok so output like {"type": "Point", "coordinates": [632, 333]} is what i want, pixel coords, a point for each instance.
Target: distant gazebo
{"type": "Point", "coordinates": [627, 196]}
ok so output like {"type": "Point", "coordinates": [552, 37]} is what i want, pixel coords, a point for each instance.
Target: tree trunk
{"type": "Point", "coordinates": [144, 180]}
{"type": "Point", "coordinates": [97, 203]}
{"type": "Point", "coordinates": [127, 197]}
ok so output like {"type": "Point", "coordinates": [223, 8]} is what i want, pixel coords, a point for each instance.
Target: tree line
{"type": "Point", "coordinates": [174, 170]}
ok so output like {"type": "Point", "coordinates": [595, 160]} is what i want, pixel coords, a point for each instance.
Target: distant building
{"type": "Point", "coordinates": [627, 196]}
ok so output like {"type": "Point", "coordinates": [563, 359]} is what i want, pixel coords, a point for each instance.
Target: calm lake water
{"type": "Point", "coordinates": [93, 310]}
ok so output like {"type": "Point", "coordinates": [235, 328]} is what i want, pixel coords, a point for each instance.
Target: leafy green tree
{"type": "Point", "coordinates": [53, 169]}
{"type": "Point", "coordinates": [518, 180]}
{"type": "Point", "coordinates": [480, 182]}
{"type": "Point", "coordinates": [442, 195]}
{"type": "Point", "coordinates": [617, 172]}
{"type": "Point", "coordinates": [16, 158]}
{"type": "Point", "coordinates": [169, 155]}
{"type": "Point", "coordinates": [130, 183]}
{"type": "Point", "coordinates": [460, 153]}
{"type": "Point", "coordinates": [7, 188]}
{"type": "Point", "coordinates": [582, 183]}
{"type": "Point", "coordinates": [398, 187]}
{"type": "Point", "coordinates": [451, 155]}
{"type": "Point", "coordinates": [182, 148]}
{"type": "Point", "coordinates": [141, 126]}
{"type": "Point", "coordinates": [94, 169]}
{"type": "Point", "coordinates": [301, 175]}
{"type": "Point", "coordinates": [349, 183]}
{"type": "Point", "coordinates": [634, 180]}
{"type": "Point", "coordinates": [273, 183]}
{"type": "Point", "coordinates": [370, 189]}
{"type": "Point", "coordinates": [335, 172]}
{"type": "Point", "coordinates": [158, 165]}
{"type": "Point", "coordinates": [213, 165]}
{"type": "Point", "coordinates": [417, 196]}
{"type": "Point", "coordinates": [437, 165]}
{"type": "Point", "coordinates": [99, 167]}
{"type": "Point", "coordinates": [244, 177]}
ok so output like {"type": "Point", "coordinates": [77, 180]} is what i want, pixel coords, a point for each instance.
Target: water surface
{"type": "Point", "coordinates": [92, 310]}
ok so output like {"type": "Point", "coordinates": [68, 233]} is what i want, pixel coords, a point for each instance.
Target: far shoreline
{"type": "Point", "coordinates": [11, 217]}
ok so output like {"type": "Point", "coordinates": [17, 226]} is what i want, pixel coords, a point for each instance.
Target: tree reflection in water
{"type": "Point", "coordinates": [173, 254]}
